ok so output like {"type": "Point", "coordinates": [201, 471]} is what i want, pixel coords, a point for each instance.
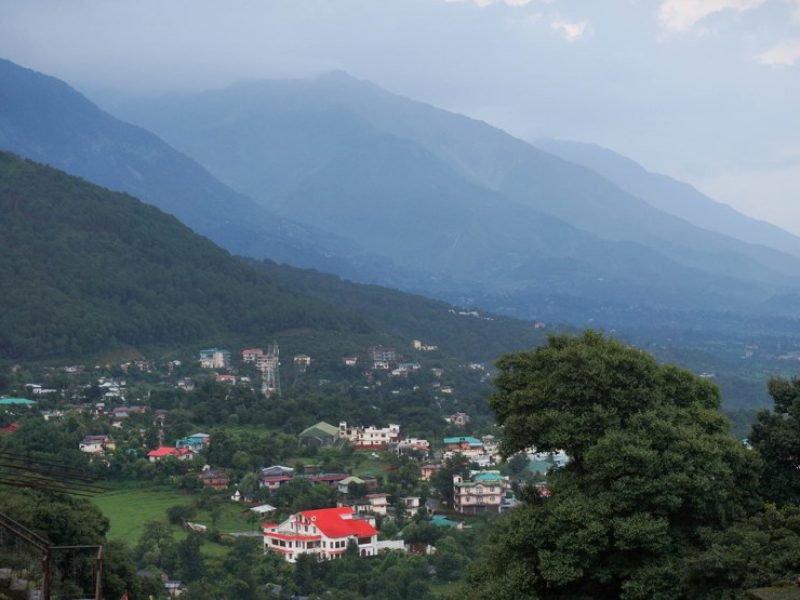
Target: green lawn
{"type": "Point", "coordinates": [129, 506]}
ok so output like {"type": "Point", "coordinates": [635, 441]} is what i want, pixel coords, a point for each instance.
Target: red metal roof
{"type": "Point", "coordinates": [338, 522]}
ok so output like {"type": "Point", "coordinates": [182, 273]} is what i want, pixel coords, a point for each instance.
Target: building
{"type": "Point", "coordinates": [376, 504]}
{"type": "Point", "coordinates": [325, 533]}
{"type": "Point", "coordinates": [321, 435]}
{"type": "Point", "coordinates": [343, 487]}
{"type": "Point", "coordinates": [411, 505]}
{"type": "Point", "coordinates": [458, 419]}
{"type": "Point", "coordinates": [329, 479]}
{"type": "Point", "coordinates": [482, 491]}
{"type": "Point", "coordinates": [214, 358]}
{"type": "Point", "coordinates": [382, 354]}
{"type": "Point", "coordinates": [274, 477]}
{"type": "Point", "coordinates": [413, 445]}
{"type": "Point", "coordinates": [422, 347]}
{"type": "Point", "coordinates": [302, 361]}
{"type": "Point", "coordinates": [426, 472]}
{"type": "Point", "coordinates": [6, 402]}
{"type": "Point", "coordinates": [251, 355]}
{"type": "Point", "coordinates": [371, 438]}
{"type": "Point", "coordinates": [216, 479]}
{"type": "Point", "coordinates": [350, 361]}
{"type": "Point", "coordinates": [163, 452]}
{"type": "Point", "coordinates": [194, 442]}
{"type": "Point", "coordinates": [464, 445]}
{"type": "Point", "coordinates": [96, 444]}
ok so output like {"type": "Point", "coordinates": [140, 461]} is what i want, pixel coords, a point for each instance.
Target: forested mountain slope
{"type": "Point", "coordinates": [86, 270]}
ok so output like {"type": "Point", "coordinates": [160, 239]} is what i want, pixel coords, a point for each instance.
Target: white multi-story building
{"type": "Point", "coordinates": [376, 438]}
{"type": "Point", "coordinates": [482, 491]}
{"type": "Point", "coordinates": [214, 358]}
{"type": "Point", "coordinates": [325, 532]}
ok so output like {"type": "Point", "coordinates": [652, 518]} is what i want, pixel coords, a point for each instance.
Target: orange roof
{"type": "Point", "coordinates": [338, 522]}
{"type": "Point", "coordinates": [168, 451]}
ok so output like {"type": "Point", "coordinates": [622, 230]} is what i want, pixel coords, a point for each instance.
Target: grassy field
{"type": "Point", "coordinates": [129, 506]}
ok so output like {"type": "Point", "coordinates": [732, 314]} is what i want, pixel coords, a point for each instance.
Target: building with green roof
{"type": "Point", "coordinates": [322, 434]}
{"type": "Point", "coordinates": [16, 402]}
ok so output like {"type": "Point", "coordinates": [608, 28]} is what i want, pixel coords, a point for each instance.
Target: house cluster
{"type": "Point", "coordinates": [323, 435]}
{"type": "Point", "coordinates": [272, 478]}
{"type": "Point", "coordinates": [112, 389]}
{"type": "Point", "coordinates": [230, 379]}
{"type": "Point", "coordinates": [403, 369]}
{"type": "Point", "coordinates": [120, 414]}
{"type": "Point", "coordinates": [482, 451]}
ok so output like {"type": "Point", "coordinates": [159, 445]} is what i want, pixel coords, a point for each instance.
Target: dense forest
{"type": "Point", "coordinates": [109, 271]}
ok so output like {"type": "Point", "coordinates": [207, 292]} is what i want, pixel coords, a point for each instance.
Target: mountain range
{"type": "Point", "coordinates": [477, 210]}
{"type": "Point", "coordinates": [338, 174]}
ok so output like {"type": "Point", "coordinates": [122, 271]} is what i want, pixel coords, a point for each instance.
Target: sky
{"type": "Point", "coordinates": [707, 91]}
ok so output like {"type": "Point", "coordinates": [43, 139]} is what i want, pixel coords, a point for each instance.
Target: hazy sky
{"type": "Point", "coordinates": [705, 90]}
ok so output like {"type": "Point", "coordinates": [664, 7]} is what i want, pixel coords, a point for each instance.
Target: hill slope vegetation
{"type": "Point", "coordinates": [86, 270]}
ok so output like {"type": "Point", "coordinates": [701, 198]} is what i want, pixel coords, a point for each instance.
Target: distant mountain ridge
{"type": "Point", "coordinates": [672, 196]}
{"type": "Point", "coordinates": [44, 119]}
{"type": "Point", "coordinates": [499, 215]}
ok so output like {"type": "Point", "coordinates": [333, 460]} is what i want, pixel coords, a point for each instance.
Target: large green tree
{"type": "Point", "coordinates": [776, 435]}
{"type": "Point", "coordinates": [652, 466]}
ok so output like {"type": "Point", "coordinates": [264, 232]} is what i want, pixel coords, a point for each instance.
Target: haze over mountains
{"type": "Point", "coordinates": [338, 174]}
{"type": "Point", "coordinates": [44, 119]}
{"type": "Point", "coordinates": [440, 193]}
{"type": "Point", "coordinates": [673, 197]}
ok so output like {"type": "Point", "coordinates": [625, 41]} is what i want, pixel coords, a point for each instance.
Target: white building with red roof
{"type": "Point", "coordinates": [163, 452]}
{"type": "Point", "coordinates": [325, 532]}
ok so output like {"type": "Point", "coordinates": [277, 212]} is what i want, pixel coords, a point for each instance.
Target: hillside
{"type": "Point", "coordinates": [87, 270]}
{"type": "Point", "coordinates": [44, 119]}
{"type": "Point", "coordinates": [347, 156]}
{"type": "Point", "coordinates": [672, 196]}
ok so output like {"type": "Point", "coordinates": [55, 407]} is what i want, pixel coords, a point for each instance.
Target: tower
{"type": "Point", "coordinates": [269, 365]}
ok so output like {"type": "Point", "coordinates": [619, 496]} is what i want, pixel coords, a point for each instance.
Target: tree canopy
{"type": "Point", "coordinates": [776, 435]}
{"type": "Point", "coordinates": [652, 466]}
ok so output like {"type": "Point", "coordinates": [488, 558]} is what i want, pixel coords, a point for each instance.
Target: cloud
{"type": "Point", "coordinates": [485, 3]}
{"type": "Point", "coordinates": [795, 4]}
{"type": "Point", "coordinates": [572, 32]}
{"type": "Point", "coordinates": [784, 54]}
{"type": "Point", "coordinates": [682, 15]}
